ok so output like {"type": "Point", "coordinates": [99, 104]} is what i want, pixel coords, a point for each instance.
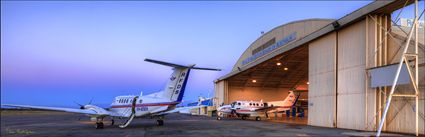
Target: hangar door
{"type": "Point", "coordinates": [322, 78]}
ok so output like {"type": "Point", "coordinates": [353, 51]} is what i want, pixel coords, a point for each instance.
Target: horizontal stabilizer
{"type": "Point", "coordinates": [213, 69]}
{"type": "Point", "coordinates": [165, 63]}
{"type": "Point", "coordinates": [179, 66]}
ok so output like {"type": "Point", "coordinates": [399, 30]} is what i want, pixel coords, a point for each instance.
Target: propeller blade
{"type": "Point", "coordinates": [91, 101]}
{"type": "Point", "coordinates": [78, 103]}
{"type": "Point", "coordinates": [81, 106]}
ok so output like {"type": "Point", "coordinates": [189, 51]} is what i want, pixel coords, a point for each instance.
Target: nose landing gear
{"type": "Point", "coordinates": [159, 122]}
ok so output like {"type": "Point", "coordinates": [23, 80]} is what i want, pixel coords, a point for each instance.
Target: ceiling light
{"type": "Point", "coordinates": [253, 81]}
{"type": "Point", "coordinates": [308, 83]}
{"type": "Point", "coordinates": [285, 68]}
{"type": "Point", "coordinates": [278, 63]}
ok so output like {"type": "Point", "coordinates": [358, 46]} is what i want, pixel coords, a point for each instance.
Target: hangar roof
{"type": "Point", "coordinates": [260, 51]}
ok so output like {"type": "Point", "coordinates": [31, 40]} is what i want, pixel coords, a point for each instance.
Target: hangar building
{"type": "Point", "coordinates": [331, 60]}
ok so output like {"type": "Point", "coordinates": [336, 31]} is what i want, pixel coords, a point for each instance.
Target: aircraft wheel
{"type": "Point", "coordinates": [258, 118]}
{"type": "Point", "coordinates": [99, 125]}
{"type": "Point", "coordinates": [159, 122]}
{"type": "Point", "coordinates": [243, 117]}
{"type": "Point", "coordinates": [218, 118]}
{"type": "Point", "coordinates": [112, 122]}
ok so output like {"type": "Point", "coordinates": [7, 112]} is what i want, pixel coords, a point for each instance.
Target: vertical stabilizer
{"type": "Point", "coordinates": [176, 84]}
{"type": "Point", "coordinates": [291, 99]}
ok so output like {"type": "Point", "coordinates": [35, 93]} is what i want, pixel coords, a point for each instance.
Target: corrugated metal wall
{"type": "Point", "coordinates": [351, 77]}
{"type": "Point", "coordinates": [322, 79]}
{"type": "Point", "coordinates": [371, 93]}
{"type": "Point", "coordinates": [220, 91]}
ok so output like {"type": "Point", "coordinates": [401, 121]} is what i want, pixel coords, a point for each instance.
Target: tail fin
{"type": "Point", "coordinates": [291, 99]}
{"type": "Point", "coordinates": [176, 85]}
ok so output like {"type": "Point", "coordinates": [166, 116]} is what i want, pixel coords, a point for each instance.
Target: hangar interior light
{"type": "Point", "coordinates": [253, 81]}
{"type": "Point", "coordinates": [278, 63]}
{"type": "Point", "coordinates": [285, 68]}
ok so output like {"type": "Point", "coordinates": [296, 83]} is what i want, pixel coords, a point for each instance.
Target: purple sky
{"type": "Point", "coordinates": [56, 52]}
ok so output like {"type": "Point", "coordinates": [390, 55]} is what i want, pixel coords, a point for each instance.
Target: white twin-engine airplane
{"type": "Point", "coordinates": [245, 109]}
{"type": "Point", "coordinates": [153, 105]}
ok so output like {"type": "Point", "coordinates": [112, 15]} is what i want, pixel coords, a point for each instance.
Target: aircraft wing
{"type": "Point", "coordinates": [181, 109]}
{"type": "Point", "coordinates": [266, 108]}
{"type": "Point", "coordinates": [71, 110]}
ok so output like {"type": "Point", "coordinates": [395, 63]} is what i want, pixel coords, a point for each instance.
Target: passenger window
{"type": "Point", "coordinates": [250, 104]}
{"type": "Point", "coordinates": [140, 101]}
{"type": "Point", "coordinates": [257, 104]}
{"type": "Point", "coordinates": [239, 103]}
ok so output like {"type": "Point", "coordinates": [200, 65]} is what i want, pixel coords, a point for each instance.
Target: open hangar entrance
{"type": "Point", "coordinates": [255, 78]}
{"type": "Point", "coordinates": [335, 57]}
{"type": "Point", "coordinates": [272, 80]}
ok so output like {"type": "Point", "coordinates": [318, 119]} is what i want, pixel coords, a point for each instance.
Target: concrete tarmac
{"type": "Point", "coordinates": [60, 124]}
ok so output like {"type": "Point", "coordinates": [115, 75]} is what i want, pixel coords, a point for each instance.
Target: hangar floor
{"type": "Point", "coordinates": [47, 123]}
{"type": "Point", "coordinates": [291, 120]}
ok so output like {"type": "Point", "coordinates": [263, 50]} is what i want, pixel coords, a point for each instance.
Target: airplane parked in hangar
{"type": "Point", "coordinates": [153, 105]}
{"type": "Point", "coordinates": [246, 109]}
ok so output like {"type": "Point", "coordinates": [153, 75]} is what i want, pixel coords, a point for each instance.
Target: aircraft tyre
{"type": "Point", "coordinates": [218, 118]}
{"type": "Point", "coordinates": [159, 122]}
{"type": "Point", "coordinates": [99, 125]}
{"type": "Point", "coordinates": [257, 118]}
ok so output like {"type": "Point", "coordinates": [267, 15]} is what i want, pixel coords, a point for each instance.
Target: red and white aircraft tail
{"type": "Point", "coordinates": [280, 106]}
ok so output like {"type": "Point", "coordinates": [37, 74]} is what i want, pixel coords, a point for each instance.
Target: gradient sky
{"type": "Point", "coordinates": [56, 52]}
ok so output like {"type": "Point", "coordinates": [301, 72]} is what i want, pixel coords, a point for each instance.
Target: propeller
{"type": "Point", "coordinates": [81, 106]}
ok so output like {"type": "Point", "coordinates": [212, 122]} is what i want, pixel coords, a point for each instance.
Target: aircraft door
{"type": "Point", "coordinates": [133, 105]}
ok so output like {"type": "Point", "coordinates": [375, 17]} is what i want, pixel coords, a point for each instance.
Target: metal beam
{"type": "Point", "coordinates": [402, 59]}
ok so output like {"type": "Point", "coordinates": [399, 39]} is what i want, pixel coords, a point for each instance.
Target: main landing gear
{"type": "Point", "coordinates": [258, 118]}
{"type": "Point", "coordinates": [160, 121]}
{"type": "Point", "coordinates": [99, 123]}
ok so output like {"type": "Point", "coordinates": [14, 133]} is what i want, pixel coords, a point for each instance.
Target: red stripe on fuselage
{"type": "Point", "coordinates": [146, 105]}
